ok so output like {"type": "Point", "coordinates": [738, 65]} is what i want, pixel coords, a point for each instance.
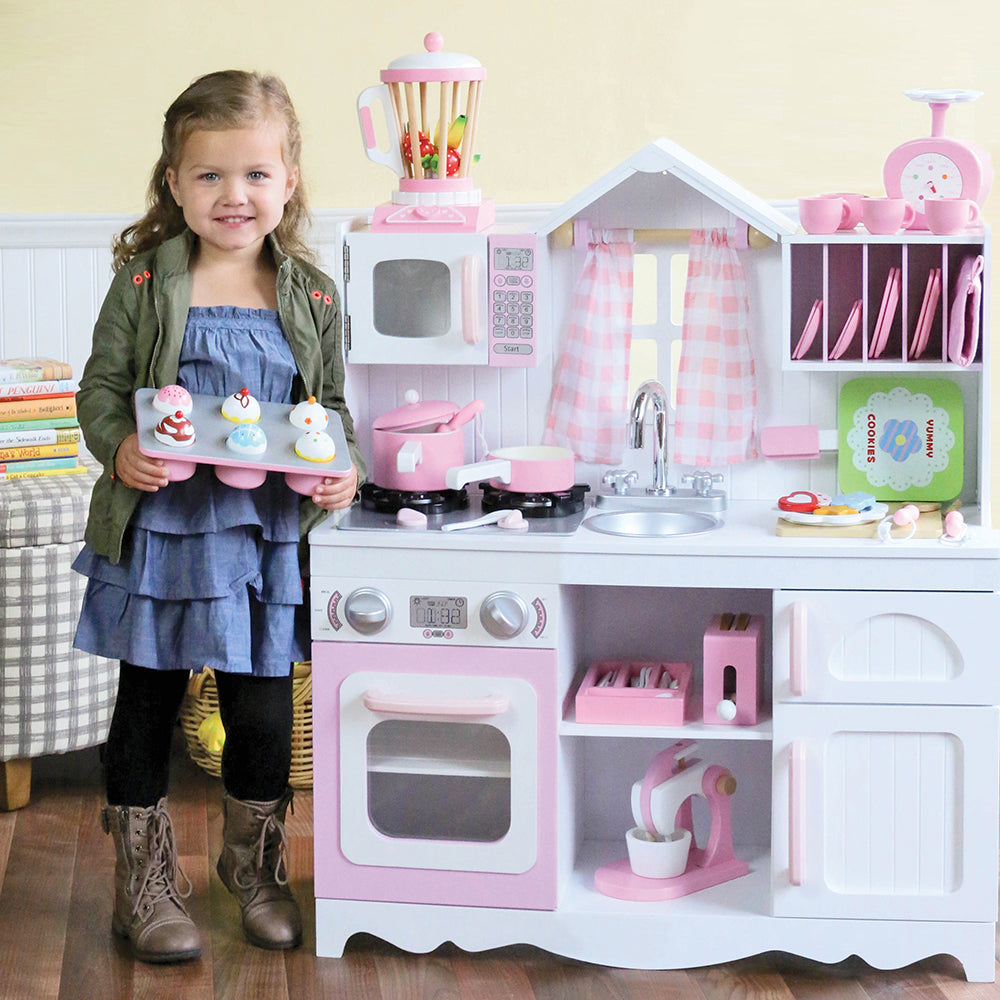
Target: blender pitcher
{"type": "Point", "coordinates": [430, 101]}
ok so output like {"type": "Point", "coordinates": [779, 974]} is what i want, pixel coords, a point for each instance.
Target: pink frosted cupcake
{"type": "Point", "coordinates": [172, 398]}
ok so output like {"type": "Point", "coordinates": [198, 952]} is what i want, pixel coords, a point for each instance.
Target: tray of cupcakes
{"type": "Point", "coordinates": [241, 437]}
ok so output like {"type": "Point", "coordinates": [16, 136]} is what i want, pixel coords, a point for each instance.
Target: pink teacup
{"type": "Point", "coordinates": [950, 215]}
{"type": "Point", "coordinates": [854, 204]}
{"type": "Point", "coordinates": [886, 216]}
{"type": "Point", "coordinates": [823, 214]}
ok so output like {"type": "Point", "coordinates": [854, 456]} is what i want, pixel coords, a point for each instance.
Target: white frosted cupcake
{"type": "Point", "coordinates": [172, 398]}
{"type": "Point", "coordinates": [247, 439]}
{"type": "Point", "coordinates": [309, 415]}
{"type": "Point", "coordinates": [241, 408]}
{"type": "Point", "coordinates": [315, 446]}
{"type": "Point", "coordinates": [175, 430]}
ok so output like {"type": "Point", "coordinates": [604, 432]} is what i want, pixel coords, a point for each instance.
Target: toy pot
{"type": "Point", "coordinates": [521, 469]}
{"type": "Point", "coordinates": [416, 444]}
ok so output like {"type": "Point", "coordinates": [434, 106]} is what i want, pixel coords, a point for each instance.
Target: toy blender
{"type": "Point", "coordinates": [430, 101]}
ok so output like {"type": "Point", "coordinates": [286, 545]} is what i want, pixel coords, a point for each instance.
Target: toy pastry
{"type": "Point", "coordinates": [176, 430]}
{"type": "Point", "coordinates": [241, 408]}
{"type": "Point", "coordinates": [172, 398]}
{"type": "Point", "coordinates": [316, 446]}
{"type": "Point", "coordinates": [247, 439]}
{"type": "Point", "coordinates": [309, 415]}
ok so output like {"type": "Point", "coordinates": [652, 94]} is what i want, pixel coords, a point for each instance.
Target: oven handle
{"type": "Point", "coordinates": [386, 703]}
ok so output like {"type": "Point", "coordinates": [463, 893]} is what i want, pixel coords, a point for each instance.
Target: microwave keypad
{"type": "Point", "coordinates": [513, 310]}
{"type": "Point", "coordinates": [513, 300]}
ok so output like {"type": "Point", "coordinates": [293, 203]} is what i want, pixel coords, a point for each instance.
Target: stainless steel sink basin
{"type": "Point", "coordinates": [652, 523]}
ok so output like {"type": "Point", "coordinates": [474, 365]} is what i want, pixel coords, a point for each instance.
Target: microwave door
{"type": "Point", "coordinates": [417, 299]}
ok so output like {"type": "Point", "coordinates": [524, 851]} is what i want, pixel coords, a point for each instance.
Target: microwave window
{"type": "Point", "coordinates": [411, 298]}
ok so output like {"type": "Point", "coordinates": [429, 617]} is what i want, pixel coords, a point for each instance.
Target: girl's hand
{"type": "Point", "coordinates": [137, 470]}
{"type": "Point", "coordinates": [334, 494]}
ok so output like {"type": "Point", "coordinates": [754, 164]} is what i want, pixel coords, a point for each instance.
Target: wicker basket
{"type": "Point", "coordinates": [202, 699]}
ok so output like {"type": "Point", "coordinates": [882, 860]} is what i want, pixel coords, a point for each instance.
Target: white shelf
{"type": "Point", "coordinates": [694, 730]}
{"type": "Point", "coordinates": [440, 766]}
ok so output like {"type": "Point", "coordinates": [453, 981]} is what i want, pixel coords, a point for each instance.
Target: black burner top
{"type": "Point", "coordinates": [560, 503]}
{"type": "Point", "coordinates": [389, 501]}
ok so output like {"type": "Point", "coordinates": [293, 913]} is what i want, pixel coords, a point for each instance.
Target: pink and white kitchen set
{"type": "Point", "coordinates": [663, 632]}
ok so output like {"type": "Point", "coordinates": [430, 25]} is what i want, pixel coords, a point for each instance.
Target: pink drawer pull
{"type": "Point", "coordinates": [797, 649]}
{"type": "Point", "coordinates": [387, 703]}
{"type": "Point", "coordinates": [796, 791]}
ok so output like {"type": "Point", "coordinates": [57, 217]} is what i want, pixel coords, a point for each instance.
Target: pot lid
{"type": "Point", "coordinates": [415, 413]}
{"type": "Point", "coordinates": [434, 64]}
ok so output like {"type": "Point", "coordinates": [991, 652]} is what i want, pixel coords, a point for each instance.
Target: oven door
{"type": "Point", "coordinates": [416, 299]}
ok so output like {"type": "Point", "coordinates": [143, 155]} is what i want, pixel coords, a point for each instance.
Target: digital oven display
{"type": "Point", "coordinates": [438, 612]}
{"type": "Point", "coordinates": [512, 259]}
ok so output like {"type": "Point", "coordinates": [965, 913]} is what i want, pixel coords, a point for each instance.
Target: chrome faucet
{"type": "Point", "coordinates": [637, 419]}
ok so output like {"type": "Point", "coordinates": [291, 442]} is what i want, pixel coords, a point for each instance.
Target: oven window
{"type": "Point", "coordinates": [439, 780]}
{"type": "Point", "coordinates": [411, 298]}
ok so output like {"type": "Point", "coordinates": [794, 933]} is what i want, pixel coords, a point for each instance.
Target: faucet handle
{"type": "Point", "coordinates": [620, 480]}
{"type": "Point", "coordinates": [702, 480]}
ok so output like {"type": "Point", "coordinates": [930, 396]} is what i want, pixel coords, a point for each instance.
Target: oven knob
{"type": "Point", "coordinates": [503, 614]}
{"type": "Point", "coordinates": [367, 610]}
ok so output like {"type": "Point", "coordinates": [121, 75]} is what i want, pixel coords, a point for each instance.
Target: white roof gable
{"type": "Point", "coordinates": [665, 156]}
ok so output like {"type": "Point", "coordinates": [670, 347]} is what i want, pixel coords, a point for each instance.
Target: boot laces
{"type": "Point", "coordinates": [272, 846]}
{"type": "Point", "coordinates": [162, 871]}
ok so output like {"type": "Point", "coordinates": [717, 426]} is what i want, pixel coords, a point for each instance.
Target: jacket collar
{"type": "Point", "coordinates": [174, 255]}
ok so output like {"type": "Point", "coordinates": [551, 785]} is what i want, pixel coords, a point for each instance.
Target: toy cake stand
{"type": "Point", "coordinates": [241, 471]}
{"type": "Point", "coordinates": [663, 841]}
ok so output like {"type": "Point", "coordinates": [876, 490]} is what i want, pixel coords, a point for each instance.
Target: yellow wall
{"type": "Point", "coordinates": [786, 96]}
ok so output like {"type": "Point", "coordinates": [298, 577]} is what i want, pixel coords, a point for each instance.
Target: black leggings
{"type": "Point", "coordinates": [256, 714]}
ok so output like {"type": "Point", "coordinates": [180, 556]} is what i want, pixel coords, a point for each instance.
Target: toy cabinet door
{"type": "Point", "coordinates": [884, 647]}
{"type": "Point", "coordinates": [885, 812]}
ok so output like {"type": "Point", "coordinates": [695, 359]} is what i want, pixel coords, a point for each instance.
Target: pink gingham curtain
{"type": "Point", "coordinates": [716, 415]}
{"type": "Point", "coordinates": [589, 403]}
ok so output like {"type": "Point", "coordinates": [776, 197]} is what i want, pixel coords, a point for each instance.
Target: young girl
{"type": "Point", "coordinates": [214, 291]}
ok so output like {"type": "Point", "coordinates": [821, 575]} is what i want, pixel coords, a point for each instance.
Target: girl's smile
{"type": "Point", "coordinates": [232, 186]}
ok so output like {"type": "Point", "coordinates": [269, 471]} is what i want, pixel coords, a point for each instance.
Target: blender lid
{"type": "Point", "coordinates": [415, 413]}
{"type": "Point", "coordinates": [434, 64]}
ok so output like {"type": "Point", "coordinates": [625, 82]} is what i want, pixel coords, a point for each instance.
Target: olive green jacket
{"type": "Point", "coordinates": [137, 343]}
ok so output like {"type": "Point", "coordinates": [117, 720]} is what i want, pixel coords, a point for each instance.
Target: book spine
{"type": "Point", "coordinates": [40, 435]}
{"type": "Point", "coordinates": [38, 473]}
{"type": "Point", "coordinates": [38, 409]}
{"type": "Point", "coordinates": [33, 464]}
{"type": "Point", "coordinates": [25, 390]}
{"type": "Point", "coordinates": [11, 426]}
{"type": "Point", "coordinates": [33, 370]}
{"type": "Point", "coordinates": [38, 451]}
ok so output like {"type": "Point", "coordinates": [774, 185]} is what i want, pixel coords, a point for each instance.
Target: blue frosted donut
{"type": "Point", "coordinates": [900, 439]}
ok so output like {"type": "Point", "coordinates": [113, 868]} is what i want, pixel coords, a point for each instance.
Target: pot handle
{"type": "Point", "coordinates": [495, 468]}
{"type": "Point", "coordinates": [409, 456]}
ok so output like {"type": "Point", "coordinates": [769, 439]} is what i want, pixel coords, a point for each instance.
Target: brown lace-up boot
{"type": "Point", "coordinates": [252, 867]}
{"type": "Point", "coordinates": [149, 908]}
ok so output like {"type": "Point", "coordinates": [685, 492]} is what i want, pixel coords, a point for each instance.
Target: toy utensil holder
{"type": "Point", "coordinates": [732, 670]}
{"type": "Point", "coordinates": [430, 101]}
{"type": "Point", "coordinates": [664, 861]}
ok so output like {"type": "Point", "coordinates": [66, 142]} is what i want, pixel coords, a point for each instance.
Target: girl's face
{"type": "Point", "coordinates": [232, 187]}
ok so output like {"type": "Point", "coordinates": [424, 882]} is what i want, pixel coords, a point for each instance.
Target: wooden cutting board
{"type": "Point", "coordinates": [928, 526]}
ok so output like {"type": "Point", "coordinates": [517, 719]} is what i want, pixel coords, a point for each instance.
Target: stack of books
{"type": "Point", "coordinates": [39, 432]}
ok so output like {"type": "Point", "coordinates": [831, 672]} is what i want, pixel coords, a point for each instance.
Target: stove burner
{"type": "Point", "coordinates": [388, 501]}
{"type": "Point", "coordinates": [560, 503]}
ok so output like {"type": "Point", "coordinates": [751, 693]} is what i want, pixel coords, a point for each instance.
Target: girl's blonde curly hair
{"type": "Point", "coordinates": [228, 99]}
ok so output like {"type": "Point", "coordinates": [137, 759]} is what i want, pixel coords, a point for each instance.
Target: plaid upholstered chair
{"type": "Point", "coordinates": [53, 698]}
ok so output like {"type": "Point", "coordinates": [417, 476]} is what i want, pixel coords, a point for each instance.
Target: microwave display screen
{"type": "Point", "coordinates": [438, 612]}
{"type": "Point", "coordinates": [411, 298]}
{"type": "Point", "coordinates": [512, 259]}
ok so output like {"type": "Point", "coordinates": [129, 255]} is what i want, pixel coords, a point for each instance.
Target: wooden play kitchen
{"type": "Point", "coordinates": [664, 750]}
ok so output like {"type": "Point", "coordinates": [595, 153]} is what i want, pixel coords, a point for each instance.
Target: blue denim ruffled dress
{"type": "Point", "coordinates": [210, 574]}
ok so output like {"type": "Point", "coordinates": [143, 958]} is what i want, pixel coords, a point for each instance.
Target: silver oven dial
{"type": "Point", "coordinates": [503, 614]}
{"type": "Point", "coordinates": [367, 610]}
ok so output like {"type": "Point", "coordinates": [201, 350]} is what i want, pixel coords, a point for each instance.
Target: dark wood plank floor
{"type": "Point", "coordinates": [55, 902]}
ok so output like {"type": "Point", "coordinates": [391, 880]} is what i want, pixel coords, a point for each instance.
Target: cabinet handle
{"type": "Point", "coordinates": [796, 794]}
{"type": "Point", "coordinates": [386, 703]}
{"type": "Point", "coordinates": [797, 649]}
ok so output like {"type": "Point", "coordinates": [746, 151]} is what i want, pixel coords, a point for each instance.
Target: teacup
{"type": "Point", "coordinates": [823, 214]}
{"type": "Point", "coordinates": [951, 215]}
{"type": "Point", "coordinates": [854, 203]}
{"type": "Point", "coordinates": [886, 216]}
